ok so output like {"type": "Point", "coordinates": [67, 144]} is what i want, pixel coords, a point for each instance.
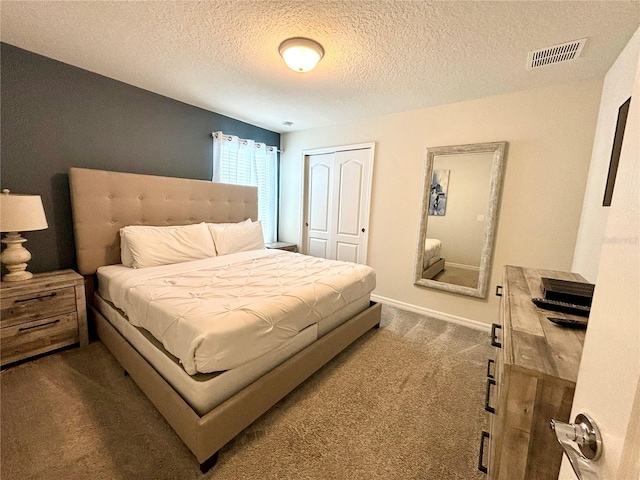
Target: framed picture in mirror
{"type": "Point", "coordinates": [439, 189]}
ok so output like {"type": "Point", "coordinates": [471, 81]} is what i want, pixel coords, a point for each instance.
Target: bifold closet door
{"type": "Point", "coordinates": [319, 186]}
{"type": "Point", "coordinates": [338, 196]}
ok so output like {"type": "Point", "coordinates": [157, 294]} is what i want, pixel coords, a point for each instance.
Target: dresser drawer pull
{"type": "Point", "coordinates": [483, 437]}
{"type": "Point", "coordinates": [494, 340]}
{"type": "Point", "coordinates": [36, 298]}
{"type": "Point", "coordinates": [487, 407]}
{"type": "Point", "coordinates": [24, 329]}
{"type": "Point", "coordinates": [498, 290]}
{"type": "Point", "coordinates": [489, 362]}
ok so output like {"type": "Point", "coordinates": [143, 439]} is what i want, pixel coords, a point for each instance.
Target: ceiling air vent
{"type": "Point", "coordinates": [564, 52]}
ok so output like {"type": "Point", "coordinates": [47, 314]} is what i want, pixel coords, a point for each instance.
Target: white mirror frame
{"type": "Point", "coordinates": [498, 150]}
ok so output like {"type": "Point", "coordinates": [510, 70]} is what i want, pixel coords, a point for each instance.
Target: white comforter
{"type": "Point", "coordinates": [218, 313]}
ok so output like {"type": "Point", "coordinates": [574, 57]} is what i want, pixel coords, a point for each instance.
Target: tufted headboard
{"type": "Point", "coordinates": [102, 202]}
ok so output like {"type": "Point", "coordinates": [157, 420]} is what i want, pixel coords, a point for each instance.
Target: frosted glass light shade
{"type": "Point", "coordinates": [301, 54]}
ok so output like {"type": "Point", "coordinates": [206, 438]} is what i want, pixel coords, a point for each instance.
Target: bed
{"type": "Point", "coordinates": [208, 402]}
{"type": "Point", "coordinates": [432, 262]}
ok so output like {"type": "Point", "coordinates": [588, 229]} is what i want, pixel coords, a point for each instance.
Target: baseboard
{"type": "Point", "coordinates": [467, 322]}
{"type": "Point", "coordinates": [463, 266]}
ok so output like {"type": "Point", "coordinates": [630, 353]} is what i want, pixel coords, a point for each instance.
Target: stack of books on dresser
{"type": "Point", "coordinates": [568, 297]}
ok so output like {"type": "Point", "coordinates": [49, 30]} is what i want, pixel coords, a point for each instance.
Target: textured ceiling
{"type": "Point", "coordinates": [381, 56]}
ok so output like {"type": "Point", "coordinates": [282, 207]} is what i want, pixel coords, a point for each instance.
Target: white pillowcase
{"type": "Point", "coordinates": [125, 252]}
{"type": "Point", "coordinates": [237, 238]}
{"type": "Point", "coordinates": [151, 246]}
{"type": "Point", "coordinates": [126, 257]}
{"type": "Point", "coordinates": [244, 222]}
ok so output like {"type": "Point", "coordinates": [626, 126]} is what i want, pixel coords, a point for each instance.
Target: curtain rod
{"type": "Point", "coordinates": [245, 141]}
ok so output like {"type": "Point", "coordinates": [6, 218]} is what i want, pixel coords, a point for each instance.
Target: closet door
{"type": "Point", "coordinates": [318, 224]}
{"type": "Point", "coordinates": [337, 196]}
{"type": "Point", "coordinates": [349, 205]}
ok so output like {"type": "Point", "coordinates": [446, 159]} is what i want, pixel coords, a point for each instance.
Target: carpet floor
{"type": "Point", "coordinates": [403, 402]}
{"type": "Point", "coordinates": [463, 277]}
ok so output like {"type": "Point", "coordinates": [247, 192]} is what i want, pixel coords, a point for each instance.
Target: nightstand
{"type": "Point", "coordinates": [290, 247]}
{"type": "Point", "coordinates": [42, 314]}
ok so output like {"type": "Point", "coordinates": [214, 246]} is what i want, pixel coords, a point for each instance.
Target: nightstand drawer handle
{"type": "Point", "coordinates": [22, 329]}
{"type": "Point", "coordinates": [36, 298]}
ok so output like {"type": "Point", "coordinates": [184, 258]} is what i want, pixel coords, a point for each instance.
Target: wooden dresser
{"type": "Point", "coordinates": [42, 314]}
{"type": "Point", "coordinates": [531, 380]}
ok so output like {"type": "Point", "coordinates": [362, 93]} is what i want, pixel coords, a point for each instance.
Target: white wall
{"type": "Point", "coordinates": [618, 84]}
{"type": "Point", "coordinates": [550, 133]}
{"type": "Point", "coordinates": [612, 343]}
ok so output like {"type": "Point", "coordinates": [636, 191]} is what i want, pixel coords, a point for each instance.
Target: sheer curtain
{"type": "Point", "coordinates": [246, 162]}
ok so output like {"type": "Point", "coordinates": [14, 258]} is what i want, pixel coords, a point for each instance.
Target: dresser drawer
{"type": "Point", "coordinates": [27, 339]}
{"type": "Point", "coordinates": [22, 308]}
{"type": "Point", "coordinates": [535, 371]}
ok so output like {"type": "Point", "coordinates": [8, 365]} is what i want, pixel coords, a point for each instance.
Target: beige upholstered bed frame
{"type": "Point", "coordinates": [434, 269]}
{"type": "Point", "coordinates": [102, 203]}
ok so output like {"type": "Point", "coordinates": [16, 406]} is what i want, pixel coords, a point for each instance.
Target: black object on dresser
{"type": "Point", "coordinates": [578, 293]}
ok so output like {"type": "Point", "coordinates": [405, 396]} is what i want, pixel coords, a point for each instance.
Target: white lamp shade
{"type": "Point", "coordinates": [21, 213]}
{"type": "Point", "coordinates": [301, 54]}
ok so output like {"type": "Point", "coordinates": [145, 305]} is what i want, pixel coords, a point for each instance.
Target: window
{"type": "Point", "coordinates": [246, 162]}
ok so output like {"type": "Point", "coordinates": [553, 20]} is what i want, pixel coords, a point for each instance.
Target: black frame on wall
{"type": "Point", "coordinates": [623, 112]}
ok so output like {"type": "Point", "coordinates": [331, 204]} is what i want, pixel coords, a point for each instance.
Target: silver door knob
{"type": "Point", "coordinates": [584, 434]}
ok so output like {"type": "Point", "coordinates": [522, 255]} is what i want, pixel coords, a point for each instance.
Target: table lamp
{"type": "Point", "coordinates": [19, 213]}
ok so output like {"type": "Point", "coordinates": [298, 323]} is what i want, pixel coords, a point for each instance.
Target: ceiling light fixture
{"type": "Point", "coordinates": [301, 54]}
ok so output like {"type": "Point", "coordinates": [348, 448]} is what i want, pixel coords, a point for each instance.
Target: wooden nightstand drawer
{"type": "Point", "coordinates": [35, 337]}
{"type": "Point", "coordinates": [42, 314]}
{"type": "Point", "coordinates": [36, 305]}
{"type": "Point", "coordinates": [290, 247]}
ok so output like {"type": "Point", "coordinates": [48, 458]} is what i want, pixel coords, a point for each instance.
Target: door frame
{"type": "Point", "coordinates": [371, 146]}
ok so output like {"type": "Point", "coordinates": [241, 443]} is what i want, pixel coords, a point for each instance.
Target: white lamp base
{"type": "Point", "coordinates": [15, 257]}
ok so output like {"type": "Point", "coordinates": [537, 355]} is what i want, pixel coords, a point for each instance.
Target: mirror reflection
{"type": "Point", "coordinates": [461, 188]}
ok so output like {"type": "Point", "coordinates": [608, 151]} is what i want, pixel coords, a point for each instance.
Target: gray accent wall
{"type": "Point", "coordinates": [55, 116]}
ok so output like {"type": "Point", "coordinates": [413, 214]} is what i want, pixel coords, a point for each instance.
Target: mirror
{"type": "Point", "coordinates": [461, 190]}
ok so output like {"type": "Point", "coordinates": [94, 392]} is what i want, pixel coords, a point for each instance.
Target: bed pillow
{"type": "Point", "coordinates": [152, 246]}
{"type": "Point", "coordinates": [237, 238]}
{"type": "Point", "coordinates": [126, 258]}
{"type": "Point", "coordinates": [125, 252]}
{"type": "Point", "coordinates": [244, 222]}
